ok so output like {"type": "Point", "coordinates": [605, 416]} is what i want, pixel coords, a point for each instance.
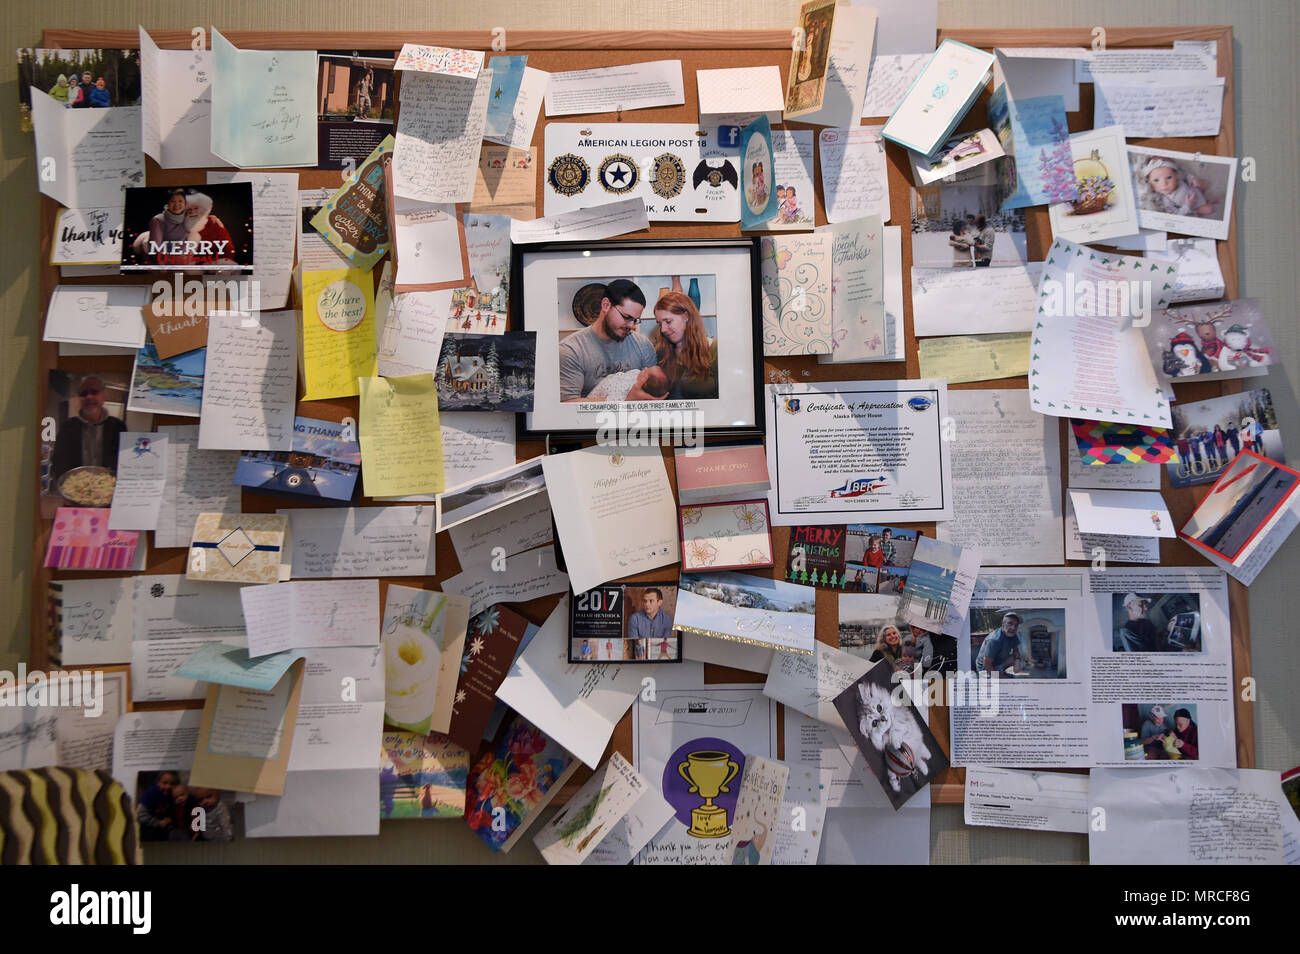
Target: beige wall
{"type": "Point", "coordinates": [1268, 214]}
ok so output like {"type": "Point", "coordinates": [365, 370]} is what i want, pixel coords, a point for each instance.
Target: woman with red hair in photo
{"type": "Point", "coordinates": [686, 355]}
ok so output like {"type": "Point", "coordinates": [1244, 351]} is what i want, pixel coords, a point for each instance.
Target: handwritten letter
{"type": "Point", "coordinates": [439, 131]}
{"type": "Point", "coordinates": [401, 443]}
{"type": "Point", "coordinates": [855, 177]}
{"type": "Point", "coordinates": [250, 382]}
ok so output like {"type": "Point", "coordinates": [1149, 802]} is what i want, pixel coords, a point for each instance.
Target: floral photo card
{"type": "Point", "coordinates": [510, 785]}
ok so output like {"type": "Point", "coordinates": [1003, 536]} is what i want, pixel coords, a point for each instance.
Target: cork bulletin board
{"type": "Point", "coordinates": [558, 50]}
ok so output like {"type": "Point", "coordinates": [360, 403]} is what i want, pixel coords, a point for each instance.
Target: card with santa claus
{"type": "Point", "coordinates": [206, 227]}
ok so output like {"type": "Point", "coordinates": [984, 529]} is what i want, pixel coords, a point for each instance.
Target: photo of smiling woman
{"type": "Point", "coordinates": [686, 355]}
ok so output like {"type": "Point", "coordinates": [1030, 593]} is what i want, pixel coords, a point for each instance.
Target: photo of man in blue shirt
{"type": "Point", "coordinates": [1000, 652]}
{"type": "Point", "coordinates": [650, 622]}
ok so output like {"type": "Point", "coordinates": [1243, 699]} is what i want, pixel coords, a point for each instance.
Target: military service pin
{"type": "Point", "coordinates": [667, 176]}
{"type": "Point", "coordinates": [619, 174]}
{"type": "Point", "coordinates": [568, 174]}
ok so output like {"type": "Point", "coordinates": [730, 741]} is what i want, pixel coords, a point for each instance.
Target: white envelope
{"type": "Point", "coordinates": [737, 97]}
{"type": "Point", "coordinates": [1125, 513]}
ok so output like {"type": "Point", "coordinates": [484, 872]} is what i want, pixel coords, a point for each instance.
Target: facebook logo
{"type": "Point", "coordinates": [728, 135]}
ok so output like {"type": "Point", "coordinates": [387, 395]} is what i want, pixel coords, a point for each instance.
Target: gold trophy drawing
{"type": "Point", "coordinates": [708, 773]}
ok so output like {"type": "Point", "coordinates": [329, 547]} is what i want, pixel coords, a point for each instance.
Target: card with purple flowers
{"type": "Point", "coordinates": [1106, 206]}
{"type": "Point", "coordinates": [1039, 167]}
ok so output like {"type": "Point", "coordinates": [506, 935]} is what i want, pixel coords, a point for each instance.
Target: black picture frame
{"type": "Point", "coordinates": [518, 318]}
{"type": "Point", "coordinates": [613, 597]}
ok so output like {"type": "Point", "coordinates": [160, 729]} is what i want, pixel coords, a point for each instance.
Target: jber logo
{"type": "Point", "coordinates": [856, 488]}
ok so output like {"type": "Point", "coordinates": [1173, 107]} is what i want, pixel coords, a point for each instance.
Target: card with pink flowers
{"type": "Point", "coordinates": [726, 536]}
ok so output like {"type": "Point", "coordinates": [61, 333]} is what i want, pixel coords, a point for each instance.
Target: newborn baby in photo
{"type": "Point", "coordinates": [615, 387]}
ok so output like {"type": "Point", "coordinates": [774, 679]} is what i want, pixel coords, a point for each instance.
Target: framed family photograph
{"type": "Point", "coordinates": [655, 337]}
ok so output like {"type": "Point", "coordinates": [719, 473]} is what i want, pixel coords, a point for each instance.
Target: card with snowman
{"type": "Point", "coordinates": [1215, 341]}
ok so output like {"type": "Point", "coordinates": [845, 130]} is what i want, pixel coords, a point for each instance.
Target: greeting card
{"type": "Point", "coordinates": [421, 776]}
{"type": "Point", "coordinates": [1246, 516]}
{"type": "Point", "coordinates": [738, 96]}
{"type": "Point", "coordinates": [1039, 165]}
{"type": "Point", "coordinates": [510, 785]}
{"type": "Point", "coordinates": [796, 278]}
{"type": "Point", "coordinates": [324, 462]}
{"type": "Point", "coordinates": [899, 747]}
{"type": "Point", "coordinates": [263, 106]}
{"type": "Point", "coordinates": [720, 472]}
{"type": "Point", "coordinates": [757, 811]}
{"type": "Point", "coordinates": [424, 639]}
{"type": "Point", "coordinates": [939, 98]}
{"type": "Point", "coordinates": [490, 646]}
{"type": "Point", "coordinates": [757, 174]}
{"type": "Point", "coordinates": [81, 540]}
{"type": "Point", "coordinates": [439, 59]}
{"type": "Point", "coordinates": [239, 548]}
{"type": "Point", "coordinates": [1103, 442]}
{"type": "Point", "coordinates": [858, 557]}
{"type": "Point", "coordinates": [726, 536]}
{"type": "Point", "coordinates": [810, 63]}
{"type": "Point", "coordinates": [1105, 207]}
{"type": "Point", "coordinates": [1210, 342]}
{"type": "Point", "coordinates": [338, 332]}
{"type": "Point", "coordinates": [748, 609]}
{"type": "Point", "coordinates": [355, 218]}
{"type": "Point", "coordinates": [590, 815]}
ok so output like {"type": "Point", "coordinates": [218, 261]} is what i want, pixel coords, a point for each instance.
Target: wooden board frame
{"type": "Point", "coordinates": [699, 49]}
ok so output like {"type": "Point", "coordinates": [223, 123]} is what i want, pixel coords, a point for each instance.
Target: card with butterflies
{"type": "Point", "coordinates": [796, 290]}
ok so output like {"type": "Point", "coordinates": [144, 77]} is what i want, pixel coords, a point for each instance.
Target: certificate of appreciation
{"type": "Point", "coordinates": [855, 451]}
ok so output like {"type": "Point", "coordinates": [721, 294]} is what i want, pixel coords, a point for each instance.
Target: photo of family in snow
{"type": "Point", "coordinates": [78, 79]}
{"type": "Point", "coordinates": [1208, 435]}
{"type": "Point", "coordinates": [962, 226]}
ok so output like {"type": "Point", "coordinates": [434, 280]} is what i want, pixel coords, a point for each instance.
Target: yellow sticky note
{"type": "Point", "coordinates": [338, 332]}
{"type": "Point", "coordinates": [974, 357]}
{"type": "Point", "coordinates": [401, 440]}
